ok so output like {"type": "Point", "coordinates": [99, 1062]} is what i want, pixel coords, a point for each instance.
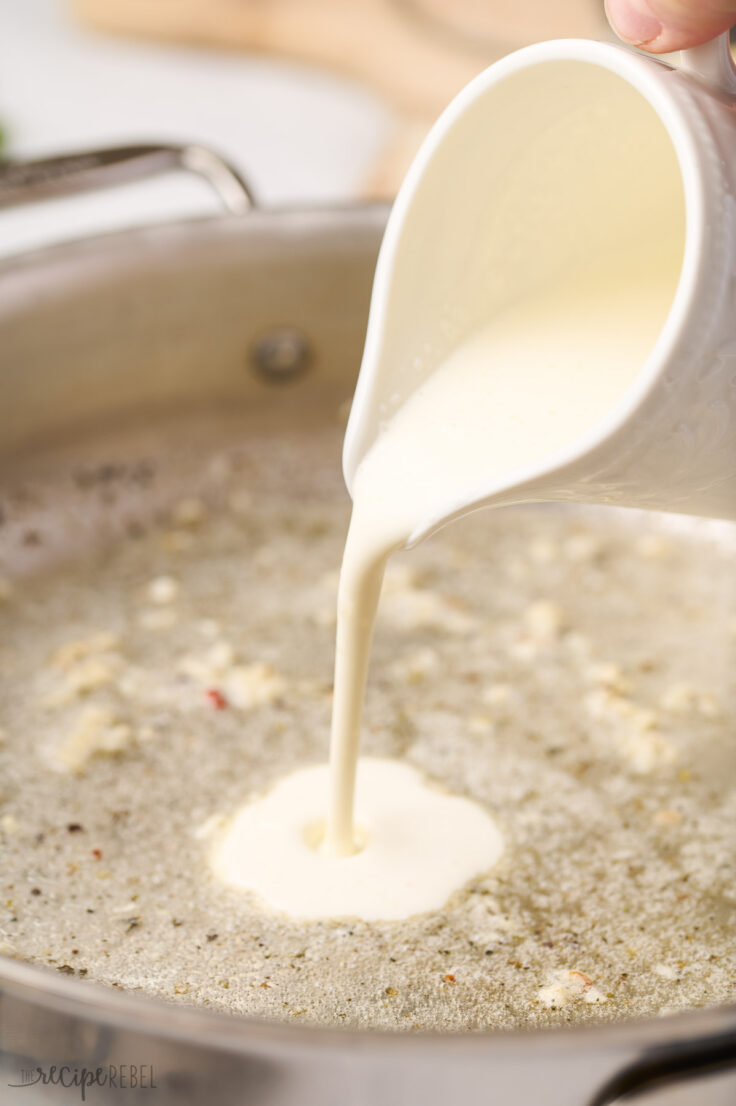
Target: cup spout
{"type": "Point", "coordinates": [544, 305]}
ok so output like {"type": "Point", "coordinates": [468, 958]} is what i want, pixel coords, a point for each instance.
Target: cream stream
{"type": "Point", "coordinates": [521, 389]}
{"type": "Point", "coordinates": [531, 382]}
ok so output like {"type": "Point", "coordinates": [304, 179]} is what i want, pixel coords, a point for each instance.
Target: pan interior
{"type": "Point", "coordinates": [167, 636]}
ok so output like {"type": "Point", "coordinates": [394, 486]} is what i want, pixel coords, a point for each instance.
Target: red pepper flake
{"type": "Point", "coordinates": [587, 981]}
{"type": "Point", "coordinates": [218, 700]}
{"type": "Point", "coordinates": [449, 979]}
{"type": "Point", "coordinates": [97, 854]}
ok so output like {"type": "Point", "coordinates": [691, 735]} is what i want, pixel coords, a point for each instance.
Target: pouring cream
{"type": "Point", "coordinates": [527, 275]}
{"type": "Point", "coordinates": [521, 388]}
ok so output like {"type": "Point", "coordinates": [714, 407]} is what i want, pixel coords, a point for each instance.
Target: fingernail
{"type": "Point", "coordinates": [632, 20]}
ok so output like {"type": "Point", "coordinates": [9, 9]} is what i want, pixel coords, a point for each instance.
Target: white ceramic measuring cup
{"type": "Point", "coordinates": [547, 160]}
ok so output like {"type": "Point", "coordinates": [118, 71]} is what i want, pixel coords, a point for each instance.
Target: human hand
{"type": "Point", "coordinates": [663, 25]}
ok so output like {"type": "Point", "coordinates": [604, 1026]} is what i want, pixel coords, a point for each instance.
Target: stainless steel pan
{"type": "Point", "coordinates": [265, 309]}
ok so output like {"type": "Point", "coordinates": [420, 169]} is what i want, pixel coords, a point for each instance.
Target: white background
{"type": "Point", "coordinates": [299, 135]}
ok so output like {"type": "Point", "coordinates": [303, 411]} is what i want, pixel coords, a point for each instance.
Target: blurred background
{"type": "Point", "coordinates": [315, 101]}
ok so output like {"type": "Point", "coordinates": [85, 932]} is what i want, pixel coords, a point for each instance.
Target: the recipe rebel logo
{"type": "Point", "coordinates": [122, 1077]}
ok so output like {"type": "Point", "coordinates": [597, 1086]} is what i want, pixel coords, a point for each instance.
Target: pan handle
{"type": "Point", "coordinates": [24, 182]}
{"type": "Point", "coordinates": [669, 1066]}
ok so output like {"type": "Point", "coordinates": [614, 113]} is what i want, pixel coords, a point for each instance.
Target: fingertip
{"type": "Point", "coordinates": [648, 25]}
{"type": "Point", "coordinates": [633, 21]}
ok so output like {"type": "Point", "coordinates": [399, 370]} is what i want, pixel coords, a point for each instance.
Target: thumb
{"type": "Point", "coordinates": [664, 25]}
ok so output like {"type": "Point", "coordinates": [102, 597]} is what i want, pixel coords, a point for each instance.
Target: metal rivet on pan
{"type": "Point", "coordinates": [281, 354]}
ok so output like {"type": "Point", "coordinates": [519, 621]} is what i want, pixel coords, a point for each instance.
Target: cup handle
{"type": "Point", "coordinates": [713, 63]}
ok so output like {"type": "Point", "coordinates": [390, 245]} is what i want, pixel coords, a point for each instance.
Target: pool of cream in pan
{"type": "Point", "coordinates": [571, 671]}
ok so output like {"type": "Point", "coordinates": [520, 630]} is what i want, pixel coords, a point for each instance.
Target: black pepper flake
{"type": "Point", "coordinates": [35, 890]}
{"type": "Point", "coordinates": [143, 473]}
{"type": "Point", "coordinates": [75, 827]}
{"type": "Point", "coordinates": [176, 923]}
{"type": "Point", "coordinates": [212, 936]}
{"type": "Point", "coordinates": [102, 474]}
